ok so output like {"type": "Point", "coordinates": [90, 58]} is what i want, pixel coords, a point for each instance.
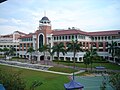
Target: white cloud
{"type": "Point", "coordinates": [84, 15]}
{"type": "Point", "coordinates": [2, 20]}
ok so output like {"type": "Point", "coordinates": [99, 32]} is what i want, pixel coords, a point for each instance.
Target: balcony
{"type": "Point", "coordinates": [6, 40]}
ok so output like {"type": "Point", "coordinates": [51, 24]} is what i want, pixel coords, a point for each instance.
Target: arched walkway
{"type": "Point", "coordinates": [42, 58]}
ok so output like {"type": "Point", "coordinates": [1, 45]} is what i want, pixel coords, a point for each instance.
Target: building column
{"type": "Point", "coordinates": [38, 58]}
{"type": "Point", "coordinates": [78, 59]}
{"type": "Point", "coordinates": [64, 58]}
{"type": "Point", "coordinates": [71, 59]}
{"type": "Point", "coordinates": [82, 59]}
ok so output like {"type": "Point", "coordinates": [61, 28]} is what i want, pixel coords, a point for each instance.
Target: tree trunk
{"type": "Point", "coordinates": [86, 67]}
{"type": "Point", "coordinates": [58, 57]}
{"type": "Point", "coordinates": [44, 57]}
{"type": "Point", "coordinates": [91, 66]}
{"type": "Point", "coordinates": [74, 60]}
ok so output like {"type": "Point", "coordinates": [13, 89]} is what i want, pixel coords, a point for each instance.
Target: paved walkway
{"type": "Point", "coordinates": [37, 69]}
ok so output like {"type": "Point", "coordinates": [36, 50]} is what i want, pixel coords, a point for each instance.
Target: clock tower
{"type": "Point", "coordinates": [44, 31]}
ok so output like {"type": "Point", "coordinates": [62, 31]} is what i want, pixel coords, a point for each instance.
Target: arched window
{"type": "Point", "coordinates": [41, 40]}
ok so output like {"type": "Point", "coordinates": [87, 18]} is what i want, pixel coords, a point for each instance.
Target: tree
{"type": "Point", "coordinates": [12, 80]}
{"type": "Point", "coordinates": [112, 49]}
{"type": "Point", "coordinates": [117, 54]}
{"type": "Point", "coordinates": [30, 51]}
{"type": "Point", "coordinates": [12, 51]}
{"type": "Point", "coordinates": [90, 55]}
{"type": "Point", "coordinates": [86, 59]}
{"type": "Point", "coordinates": [35, 84]}
{"type": "Point", "coordinates": [51, 52]}
{"type": "Point", "coordinates": [74, 47]}
{"type": "Point", "coordinates": [43, 49]}
{"type": "Point", "coordinates": [1, 50]}
{"type": "Point", "coordinates": [6, 52]}
{"type": "Point", "coordinates": [115, 81]}
{"type": "Point", "coordinates": [59, 48]}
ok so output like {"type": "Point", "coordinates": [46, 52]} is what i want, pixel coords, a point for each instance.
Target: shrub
{"type": "Point", "coordinates": [12, 80]}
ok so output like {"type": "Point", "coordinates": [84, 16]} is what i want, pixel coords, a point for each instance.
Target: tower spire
{"type": "Point", "coordinates": [44, 13]}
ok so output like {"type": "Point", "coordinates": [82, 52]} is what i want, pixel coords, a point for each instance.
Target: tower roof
{"type": "Point", "coordinates": [44, 20]}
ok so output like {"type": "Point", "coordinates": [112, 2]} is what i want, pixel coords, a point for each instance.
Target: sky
{"type": "Point", "coordinates": [86, 15]}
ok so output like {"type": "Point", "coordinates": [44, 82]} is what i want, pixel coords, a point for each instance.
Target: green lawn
{"type": "Point", "coordinates": [82, 65]}
{"type": "Point", "coordinates": [50, 81]}
{"type": "Point", "coordinates": [62, 69]}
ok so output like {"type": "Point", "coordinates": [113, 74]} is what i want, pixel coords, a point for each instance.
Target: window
{"type": "Point", "coordinates": [100, 50]}
{"type": "Point", "coordinates": [106, 50]}
{"type": "Point", "coordinates": [60, 37]}
{"type": "Point", "coordinates": [72, 36]}
{"type": "Point", "coordinates": [66, 37]}
{"type": "Point", "coordinates": [63, 37]}
{"type": "Point", "coordinates": [83, 44]}
{"type": "Point", "coordinates": [92, 38]}
{"type": "Point", "coordinates": [28, 45]}
{"type": "Point", "coordinates": [100, 44]}
{"type": "Point", "coordinates": [69, 37]}
{"type": "Point", "coordinates": [98, 38]}
{"type": "Point", "coordinates": [94, 44]}
{"type": "Point", "coordinates": [75, 36]}
{"type": "Point", "coordinates": [102, 38]}
{"type": "Point", "coordinates": [20, 45]}
{"type": "Point", "coordinates": [106, 44]}
{"type": "Point", "coordinates": [87, 44]}
{"type": "Point", "coordinates": [118, 44]}
{"type": "Point", "coordinates": [57, 37]}
{"type": "Point", "coordinates": [54, 38]}
{"type": "Point", "coordinates": [105, 37]}
{"type": "Point", "coordinates": [109, 37]}
{"type": "Point", "coordinates": [95, 38]}
{"type": "Point", "coordinates": [31, 39]}
{"type": "Point", "coordinates": [24, 45]}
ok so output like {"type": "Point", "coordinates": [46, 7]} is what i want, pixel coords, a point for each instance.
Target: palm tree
{"type": "Point", "coordinates": [59, 48]}
{"type": "Point", "coordinates": [74, 46]}
{"type": "Point", "coordinates": [12, 51]}
{"type": "Point", "coordinates": [35, 84]}
{"type": "Point", "coordinates": [43, 49]}
{"type": "Point", "coordinates": [30, 51]}
{"type": "Point", "coordinates": [115, 81]}
{"type": "Point", "coordinates": [6, 52]}
{"type": "Point", "coordinates": [117, 54]}
{"type": "Point", "coordinates": [90, 55]}
{"type": "Point", "coordinates": [1, 49]}
{"type": "Point", "coordinates": [51, 52]}
{"type": "Point", "coordinates": [112, 49]}
{"type": "Point", "coordinates": [86, 59]}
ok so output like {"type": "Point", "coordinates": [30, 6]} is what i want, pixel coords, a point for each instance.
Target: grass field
{"type": "Point", "coordinates": [50, 81]}
{"type": "Point", "coordinates": [82, 65]}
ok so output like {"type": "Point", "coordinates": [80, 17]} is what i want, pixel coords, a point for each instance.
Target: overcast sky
{"type": "Point", "coordinates": [87, 15]}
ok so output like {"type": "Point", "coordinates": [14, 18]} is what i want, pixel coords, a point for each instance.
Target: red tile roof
{"type": "Point", "coordinates": [20, 32]}
{"type": "Point", "coordinates": [7, 36]}
{"type": "Point", "coordinates": [100, 33]}
{"type": "Point", "coordinates": [27, 35]}
{"type": "Point", "coordinates": [68, 32]}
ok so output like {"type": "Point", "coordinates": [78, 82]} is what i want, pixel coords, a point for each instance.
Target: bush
{"type": "Point", "coordinates": [12, 80]}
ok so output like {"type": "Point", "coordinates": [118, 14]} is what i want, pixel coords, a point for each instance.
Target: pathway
{"type": "Point", "coordinates": [36, 67]}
